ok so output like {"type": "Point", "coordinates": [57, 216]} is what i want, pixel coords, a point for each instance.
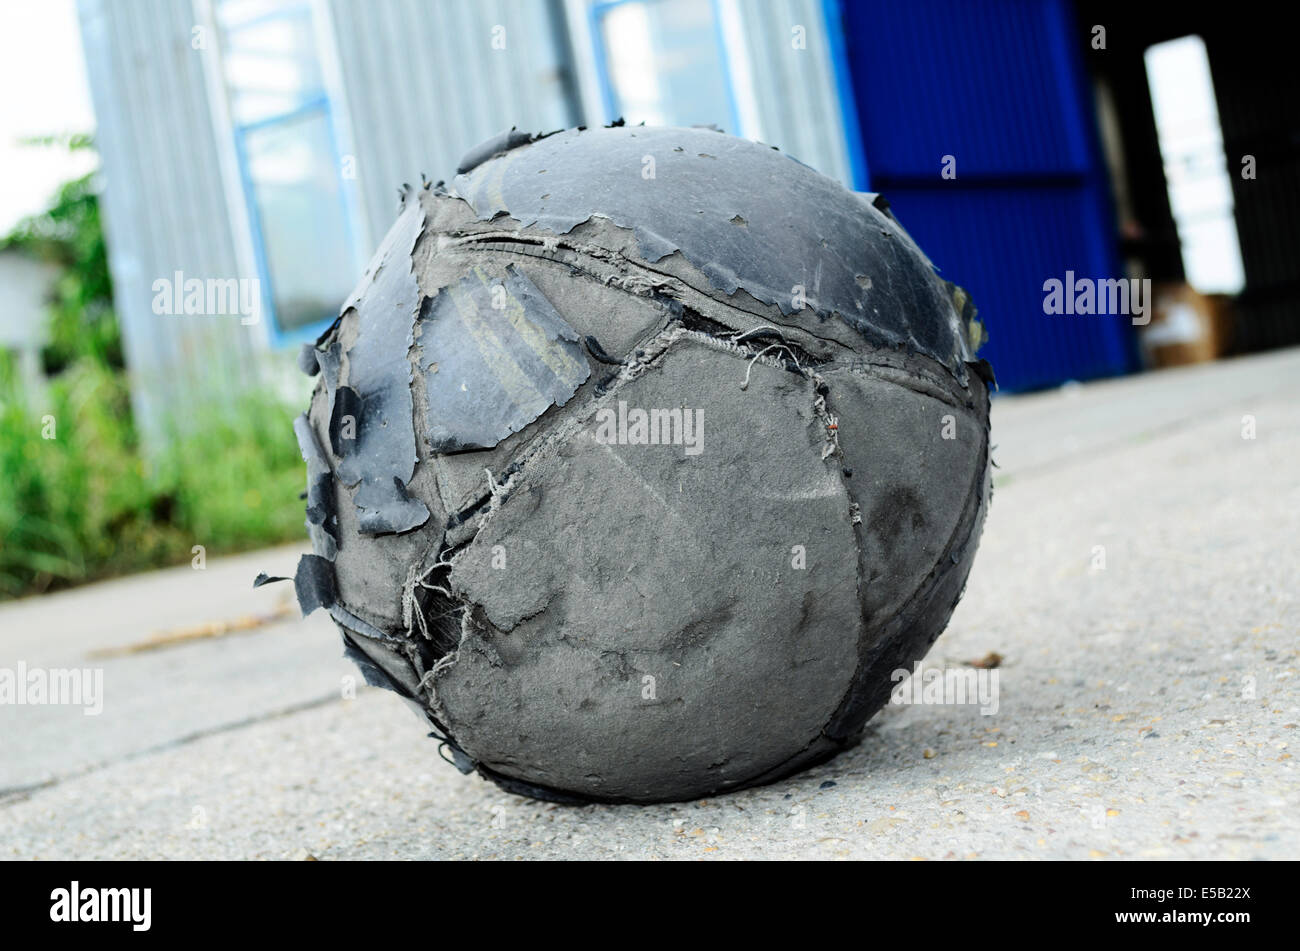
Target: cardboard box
{"type": "Point", "coordinates": [1186, 327]}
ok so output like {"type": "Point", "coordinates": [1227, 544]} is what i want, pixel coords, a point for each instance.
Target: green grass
{"type": "Point", "coordinates": [84, 505]}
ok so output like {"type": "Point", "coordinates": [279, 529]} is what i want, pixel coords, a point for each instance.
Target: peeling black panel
{"type": "Point", "coordinates": [852, 259]}
{"type": "Point", "coordinates": [322, 523]}
{"type": "Point", "coordinates": [371, 660]}
{"type": "Point", "coordinates": [345, 417]}
{"type": "Point", "coordinates": [263, 578]}
{"type": "Point", "coordinates": [382, 511]}
{"type": "Point", "coordinates": [984, 370]}
{"type": "Point", "coordinates": [496, 355]}
{"type": "Point", "coordinates": [315, 584]}
{"type": "Point", "coordinates": [348, 621]}
{"type": "Point", "coordinates": [381, 459]}
{"type": "Point", "coordinates": [330, 362]}
{"type": "Point", "coordinates": [371, 673]}
{"type": "Point", "coordinates": [512, 138]}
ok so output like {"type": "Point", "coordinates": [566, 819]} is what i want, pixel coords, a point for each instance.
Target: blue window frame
{"type": "Point", "coordinates": [286, 141]}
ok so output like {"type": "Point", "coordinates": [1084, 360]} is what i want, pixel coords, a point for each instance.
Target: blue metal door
{"type": "Point", "coordinates": [995, 91]}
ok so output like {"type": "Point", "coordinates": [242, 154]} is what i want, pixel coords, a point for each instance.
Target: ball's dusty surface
{"type": "Point", "coordinates": [641, 459]}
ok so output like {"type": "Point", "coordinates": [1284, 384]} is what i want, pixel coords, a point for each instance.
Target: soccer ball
{"type": "Point", "coordinates": [639, 461]}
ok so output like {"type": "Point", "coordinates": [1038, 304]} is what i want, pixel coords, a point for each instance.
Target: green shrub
{"type": "Point", "coordinates": [77, 499]}
{"type": "Point", "coordinates": [83, 504]}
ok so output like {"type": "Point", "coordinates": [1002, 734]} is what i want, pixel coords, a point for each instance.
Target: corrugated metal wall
{"type": "Point", "coordinates": [785, 94]}
{"type": "Point", "coordinates": [999, 87]}
{"type": "Point", "coordinates": [794, 89]}
{"type": "Point", "coordinates": [424, 84]}
{"type": "Point", "coordinates": [164, 205]}
{"type": "Point", "coordinates": [420, 84]}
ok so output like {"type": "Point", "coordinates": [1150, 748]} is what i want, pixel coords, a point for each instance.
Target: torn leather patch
{"type": "Point", "coordinates": [512, 138]}
{"type": "Point", "coordinates": [315, 584]}
{"type": "Point", "coordinates": [380, 458]}
{"type": "Point", "coordinates": [322, 523]}
{"type": "Point", "coordinates": [496, 355]}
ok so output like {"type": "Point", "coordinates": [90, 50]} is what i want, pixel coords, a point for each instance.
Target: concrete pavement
{"type": "Point", "coordinates": [1138, 575]}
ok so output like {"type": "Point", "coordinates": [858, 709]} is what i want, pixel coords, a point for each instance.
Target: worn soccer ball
{"type": "Point", "coordinates": [640, 460]}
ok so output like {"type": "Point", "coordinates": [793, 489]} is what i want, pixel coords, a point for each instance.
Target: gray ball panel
{"type": "Point", "coordinates": [618, 562]}
{"type": "Point", "coordinates": [909, 480]}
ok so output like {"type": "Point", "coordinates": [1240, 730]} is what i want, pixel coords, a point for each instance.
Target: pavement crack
{"type": "Point", "coordinates": [14, 794]}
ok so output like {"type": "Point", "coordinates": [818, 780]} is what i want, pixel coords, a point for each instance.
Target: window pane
{"type": "Point", "coordinates": [296, 191]}
{"type": "Point", "coordinates": [664, 63]}
{"type": "Point", "coordinates": [1196, 173]}
{"type": "Point", "coordinates": [271, 65]}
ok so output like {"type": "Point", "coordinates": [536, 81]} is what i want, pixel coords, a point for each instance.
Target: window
{"type": "Point", "coordinates": [1191, 146]}
{"type": "Point", "coordinates": [663, 62]}
{"type": "Point", "coordinates": [285, 141]}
